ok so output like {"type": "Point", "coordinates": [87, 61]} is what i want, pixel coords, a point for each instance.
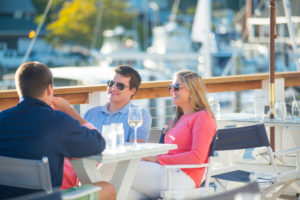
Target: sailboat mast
{"type": "Point", "coordinates": [207, 44]}
{"type": "Point", "coordinates": [174, 10]}
{"type": "Point", "coordinates": [201, 32]}
{"type": "Point", "coordinates": [291, 28]}
{"type": "Point", "coordinates": [37, 31]}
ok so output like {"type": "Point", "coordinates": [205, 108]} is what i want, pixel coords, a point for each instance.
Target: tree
{"type": "Point", "coordinates": [76, 20]}
{"type": "Point", "coordinates": [40, 6]}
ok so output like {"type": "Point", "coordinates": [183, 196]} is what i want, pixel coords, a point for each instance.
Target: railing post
{"type": "Point", "coordinates": [95, 99]}
{"type": "Point", "coordinates": [262, 94]}
{"type": "Point", "coordinates": [279, 96]}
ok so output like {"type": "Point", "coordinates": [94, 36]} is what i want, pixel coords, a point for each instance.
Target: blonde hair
{"type": "Point", "coordinates": [196, 86]}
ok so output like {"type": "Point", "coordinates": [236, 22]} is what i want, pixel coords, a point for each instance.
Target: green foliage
{"type": "Point", "coordinates": [190, 10]}
{"type": "Point", "coordinates": [40, 6]}
{"type": "Point", "coordinates": [76, 20]}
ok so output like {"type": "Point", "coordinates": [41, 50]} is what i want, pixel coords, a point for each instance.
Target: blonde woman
{"type": "Point", "coordinates": [192, 129]}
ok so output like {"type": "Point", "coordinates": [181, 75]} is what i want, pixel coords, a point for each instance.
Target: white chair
{"type": "Point", "coordinates": [193, 193]}
{"type": "Point", "coordinates": [273, 183]}
{"type": "Point", "coordinates": [35, 174]}
{"type": "Point", "coordinates": [248, 191]}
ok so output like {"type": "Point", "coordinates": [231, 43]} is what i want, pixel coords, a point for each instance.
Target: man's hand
{"type": "Point", "coordinates": [59, 103]}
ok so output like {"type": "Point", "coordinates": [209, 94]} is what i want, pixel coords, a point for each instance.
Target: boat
{"type": "Point", "coordinates": [171, 41]}
{"type": "Point", "coordinates": [10, 59]}
{"type": "Point", "coordinates": [116, 42]}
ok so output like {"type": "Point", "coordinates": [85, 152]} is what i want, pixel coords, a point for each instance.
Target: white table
{"type": "Point", "coordinates": [282, 140]}
{"type": "Point", "coordinates": [127, 158]}
{"type": "Point", "coordinates": [248, 118]}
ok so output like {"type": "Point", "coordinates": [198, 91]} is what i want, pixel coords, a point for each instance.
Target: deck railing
{"type": "Point", "coordinates": [77, 95]}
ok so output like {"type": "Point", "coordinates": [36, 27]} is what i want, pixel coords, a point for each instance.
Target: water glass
{"type": "Point", "coordinates": [295, 109]}
{"type": "Point", "coordinates": [118, 127]}
{"type": "Point", "coordinates": [109, 135]}
{"type": "Point", "coordinates": [280, 111]}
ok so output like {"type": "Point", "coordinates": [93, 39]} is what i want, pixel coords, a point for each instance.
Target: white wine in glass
{"type": "Point", "coordinates": [135, 119]}
{"type": "Point", "coordinates": [135, 123]}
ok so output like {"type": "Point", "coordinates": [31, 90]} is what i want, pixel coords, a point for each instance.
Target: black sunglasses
{"type": "Point", "coordinates": [175, 87]}
{"type": "Point", "coordinates": [120, 86]}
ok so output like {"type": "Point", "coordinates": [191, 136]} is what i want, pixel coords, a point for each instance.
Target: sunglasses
{"type": "Point", "coordinates": [175, 87]}
{"type": "Point", "coordinates": [120, 86]}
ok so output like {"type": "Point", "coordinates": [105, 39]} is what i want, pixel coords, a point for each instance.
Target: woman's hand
{"type": "Point", "coordinates": [151, 159]}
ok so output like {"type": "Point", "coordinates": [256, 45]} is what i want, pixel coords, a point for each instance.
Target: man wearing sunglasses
{"type": "Point", "coordinates": [120, 89]}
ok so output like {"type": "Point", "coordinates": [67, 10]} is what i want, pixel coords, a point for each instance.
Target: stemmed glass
{"type": "Point", "coordinates": [295, 109]}
{"type": "Point", "coordinates": [135, 119]}
{"type": "Point", "coordinates": [280, 111]}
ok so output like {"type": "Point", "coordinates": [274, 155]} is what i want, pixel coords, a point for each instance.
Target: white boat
{"type": "Point", "coordinates": [118, 41]}
{"type": "Point", "coordinates": [10, 59]}
{"type": "Point", "coordinates": [171, 42]}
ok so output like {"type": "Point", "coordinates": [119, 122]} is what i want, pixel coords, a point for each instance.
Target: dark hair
{"type": "Point", "coordinates": [32, 79]}
{"type": "Point", "coordinates": [127, 71]}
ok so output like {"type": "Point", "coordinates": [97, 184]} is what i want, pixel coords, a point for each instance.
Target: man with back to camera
{"type": "Point", "coordinates": [120, 89]}
{"type": "Point", "coordinates": [44, 125]}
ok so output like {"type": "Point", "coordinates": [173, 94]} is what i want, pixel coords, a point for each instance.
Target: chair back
{"type": "Point", "coordinates": [25, 173]}
{"type": "Point", "coordinates": [154, 136]}
{"type": "Point", "coordinates": [242, 138]}
{"type": "Point", "coordinates": [209, 161]}
{"type": "Point", "coordinates": [162, 136]}
{"type": "Point", "coordinates": [213, 146]}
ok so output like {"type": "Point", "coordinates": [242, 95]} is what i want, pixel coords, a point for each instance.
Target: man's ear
{"type": "Point", "coordinates": [133, 91]}
{"type": "Point", "coordinates": [50, 90]}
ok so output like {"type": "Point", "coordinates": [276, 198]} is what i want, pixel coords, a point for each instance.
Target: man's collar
{"type": "Point", "coordinates": [123, 110]}
{"type": "Point", "coordinates": [33, 100]}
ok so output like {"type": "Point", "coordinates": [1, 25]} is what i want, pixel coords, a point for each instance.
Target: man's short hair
{"type": "Point", "coordinates": [32, 79]}
{"type": "Point", "coordinates": [127, 71]}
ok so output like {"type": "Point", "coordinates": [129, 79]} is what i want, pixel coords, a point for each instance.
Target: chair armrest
{"type": "Point", "coordinates": [80, 193]}
{"type": "Point", "coordinates": [287, 176]}
{"type": "Point", "coordinates": [287, 151]}
{"type": "Point", "coordinates": [184, 166]}
{"type": "Point", "coordinates": [56, 194]}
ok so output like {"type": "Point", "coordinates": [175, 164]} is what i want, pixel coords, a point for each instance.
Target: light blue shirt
{"type": "Point", "coordinates": [100, 116]}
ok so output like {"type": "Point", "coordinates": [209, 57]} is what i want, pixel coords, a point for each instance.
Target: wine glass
{"type": "Point", "coordinates": [280, 111]}
{"type": "Point", "coordinates": [295, 109]}
{"type": "Point", "coordinates": [135, 119]}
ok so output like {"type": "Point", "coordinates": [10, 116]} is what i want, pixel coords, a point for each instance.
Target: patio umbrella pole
{"type": "Point", "coordinates": [272, 69]}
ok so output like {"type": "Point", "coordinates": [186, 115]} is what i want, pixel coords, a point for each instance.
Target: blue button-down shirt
{"type": "Point", "coordinates": [100, 116]}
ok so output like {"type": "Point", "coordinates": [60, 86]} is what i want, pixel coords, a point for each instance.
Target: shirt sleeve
{"type": "Point", "coordinates": [144, 130]}
{"type": "Point", "coordinates": [79, 141]}
{"type": "Point", "coordinates": [203, 130]}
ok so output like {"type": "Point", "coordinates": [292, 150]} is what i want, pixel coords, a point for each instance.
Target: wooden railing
{"type": "Point", "coordinates": [156, 89]}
